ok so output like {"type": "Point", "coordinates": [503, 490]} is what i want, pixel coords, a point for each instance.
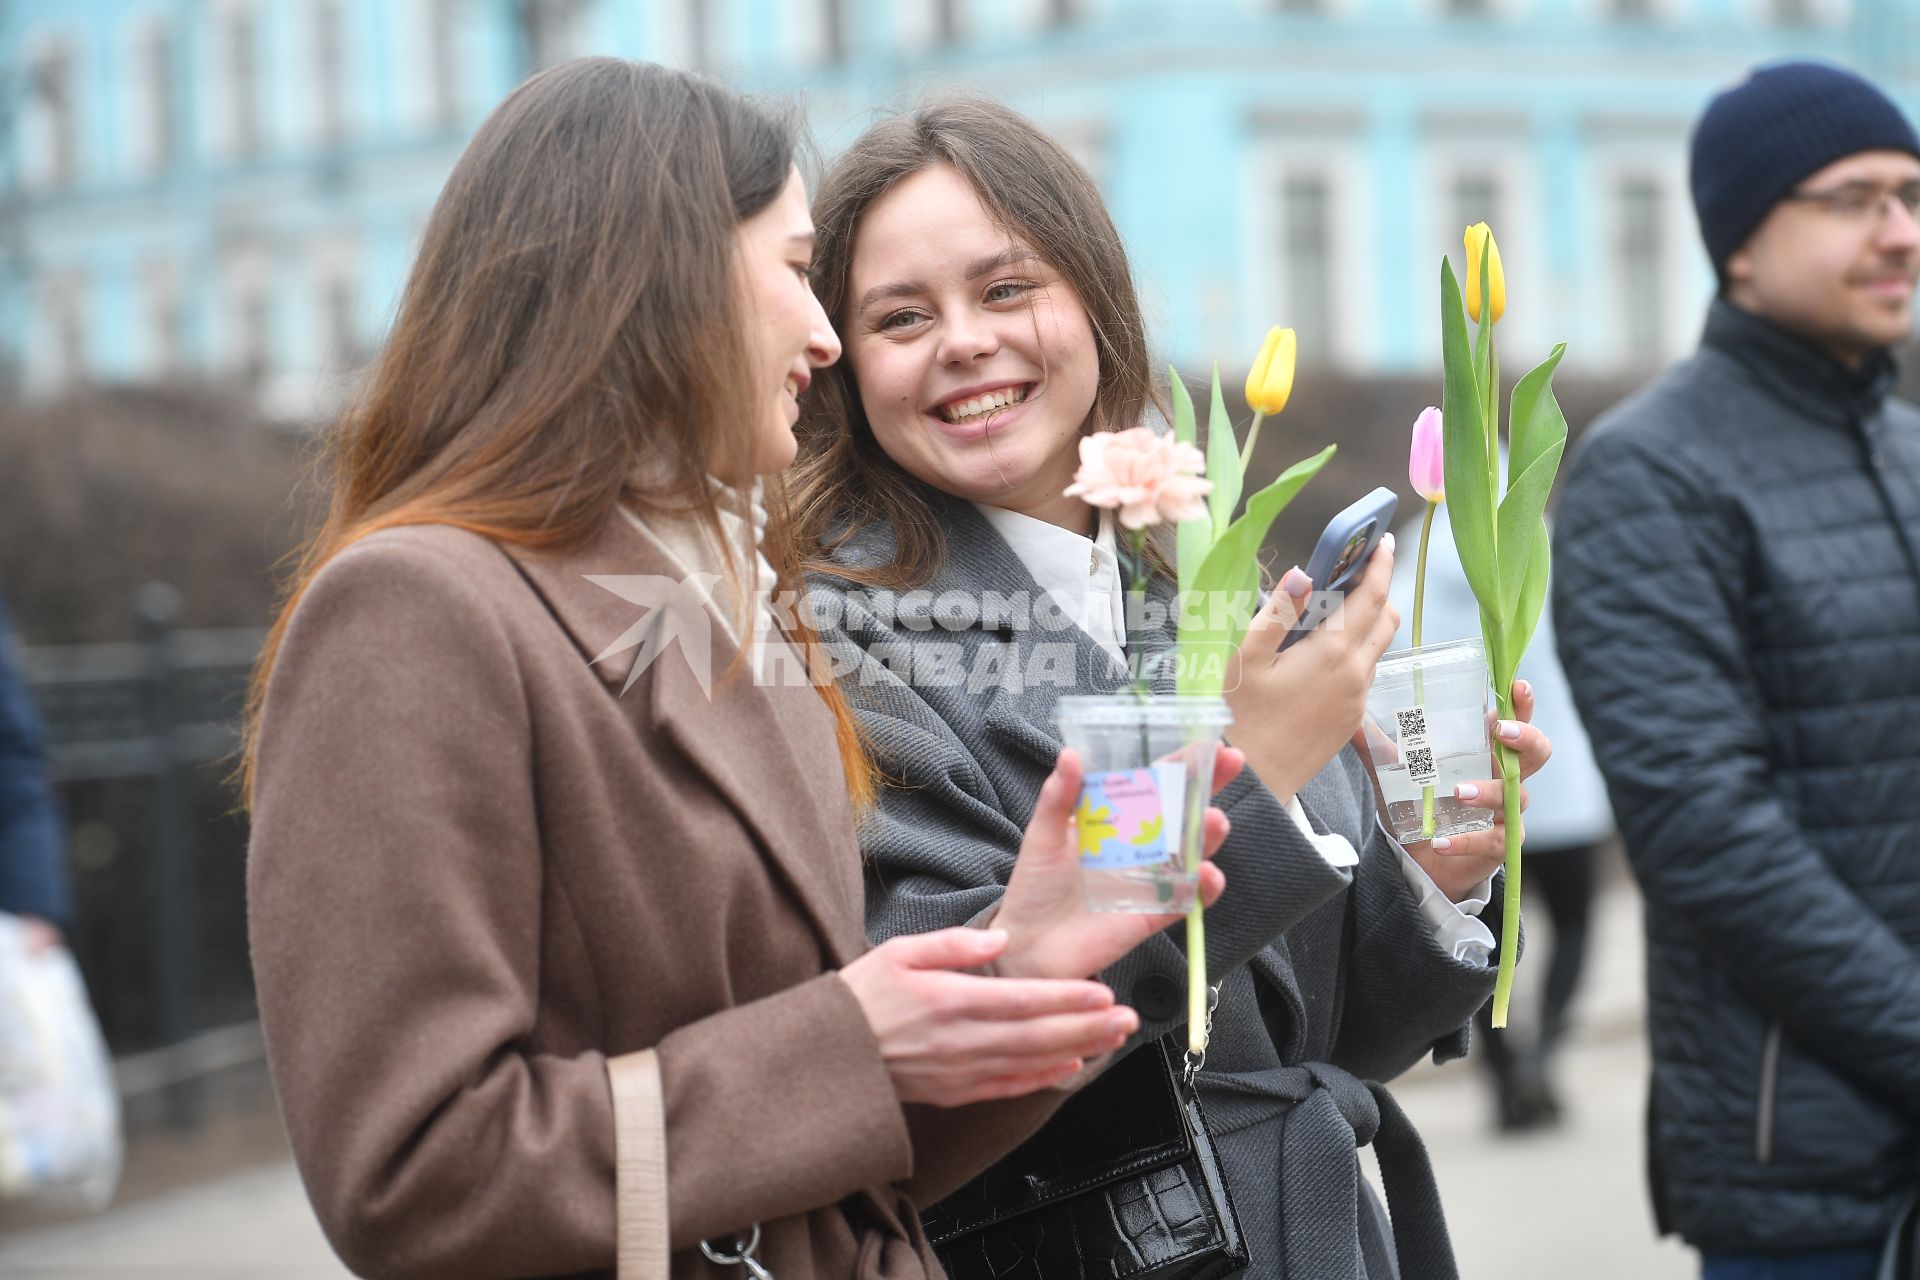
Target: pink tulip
{"type": "Point", "coordinates": [1426, 465]}
{"type": "Point", "coordinates": [1149, 479]}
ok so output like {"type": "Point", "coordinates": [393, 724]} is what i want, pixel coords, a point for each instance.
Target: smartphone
{"type": "Point", "coordinates": [1340, 557]}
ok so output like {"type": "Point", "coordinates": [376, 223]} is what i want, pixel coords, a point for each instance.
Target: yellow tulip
{"type": "Point", "coordinates": [1270, 381]}
{"type": "Point", "coordinates": [1479, 240]}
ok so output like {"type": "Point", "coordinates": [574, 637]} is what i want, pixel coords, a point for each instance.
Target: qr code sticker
{"type": "Point", "coordinates": [1413, 722]}
{"type": "Point", "coordinates": [1420, 765]}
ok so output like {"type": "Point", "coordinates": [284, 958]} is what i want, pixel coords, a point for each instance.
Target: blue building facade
{"type": "Point", "coordinates": [232, 189]}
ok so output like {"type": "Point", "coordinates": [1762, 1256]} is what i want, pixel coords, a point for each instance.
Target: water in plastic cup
{"type": "Point", "coordinates": [1427, 730]}
{"type": "Point", "coordinates": [1143, 801]}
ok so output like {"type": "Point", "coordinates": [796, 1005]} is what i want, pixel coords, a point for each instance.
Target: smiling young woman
{"type": "Point", "coordinates": [990, 324]}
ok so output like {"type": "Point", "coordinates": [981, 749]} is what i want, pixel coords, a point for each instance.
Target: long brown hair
{"type": "Point", "coordinates": [1038, 192]}
{"type": "Point", "coordinates": [570, 336]}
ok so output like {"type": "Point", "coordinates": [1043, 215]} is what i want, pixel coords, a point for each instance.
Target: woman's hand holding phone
{"type": "Point", "coordinates": [1294, 710]}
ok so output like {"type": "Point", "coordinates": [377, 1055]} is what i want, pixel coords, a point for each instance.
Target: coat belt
{"type": "Point", "coordinates": [1331, 1114]}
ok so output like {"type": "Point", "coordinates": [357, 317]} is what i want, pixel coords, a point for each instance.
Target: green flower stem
{"type": "Point", "coordinates": [1253, 434]}
{"type": "Point", "coordinates": [1196, 918]}
{"type": "Point", "coordinates": [1419, 676]}
{"type": "Point", "coordinates": [1196, 977]}
{"type": "Point", "coordinates": [1509, 761]}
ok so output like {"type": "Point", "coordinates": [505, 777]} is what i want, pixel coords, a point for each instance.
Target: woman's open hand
{"type": "Point", "coordinates": [950, 1037]}
{"type": "Point", "coordinates": [1052, 934]}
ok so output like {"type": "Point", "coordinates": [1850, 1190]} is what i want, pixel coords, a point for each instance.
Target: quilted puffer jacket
{"type": "Point", "coordinates": [1737, 593]}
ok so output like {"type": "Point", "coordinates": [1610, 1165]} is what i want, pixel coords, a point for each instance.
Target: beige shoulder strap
{"type": "Point", "coordinates": [640, 1166]}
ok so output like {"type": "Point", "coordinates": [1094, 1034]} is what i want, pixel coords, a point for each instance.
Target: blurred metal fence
{"type": "Point", "coordinates": [162, 714]}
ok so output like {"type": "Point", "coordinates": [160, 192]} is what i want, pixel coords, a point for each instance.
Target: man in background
{"type": "Point", "coordinates": [1737, 591]}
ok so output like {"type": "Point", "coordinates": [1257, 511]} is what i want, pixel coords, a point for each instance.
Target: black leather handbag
{"type": "Point", "coordinates": [1122, 1181]}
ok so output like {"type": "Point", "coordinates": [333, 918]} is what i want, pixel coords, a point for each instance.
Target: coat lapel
{"type": "Point", "coordinates": [979, 562]}
{"type": "Point", "coordinates": [748, 739]}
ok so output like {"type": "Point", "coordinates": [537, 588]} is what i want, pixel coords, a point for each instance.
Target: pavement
{"type": "Point", "coordinates": [1567, 1203]}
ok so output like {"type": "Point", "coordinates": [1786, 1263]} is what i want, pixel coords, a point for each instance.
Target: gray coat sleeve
{"type": "Point", "coordinates": [1648, 603]}
{"type": "Point", "coordinates": [1405, 996]}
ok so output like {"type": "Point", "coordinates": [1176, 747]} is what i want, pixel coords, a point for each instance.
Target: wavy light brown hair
{"type": "Point", "coordinates": [570, 337]}
{"type": "Point", "coordinates": [843, 479]}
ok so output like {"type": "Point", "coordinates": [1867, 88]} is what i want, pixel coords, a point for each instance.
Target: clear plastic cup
{"type": "Point", "coordinates": [1143, 802]}
{"type": "Point", "coordinates": [1427, 723]}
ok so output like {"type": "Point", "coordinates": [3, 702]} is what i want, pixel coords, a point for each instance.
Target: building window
{"type": "Point", "coordinates": [53, 95]}
{"type": "Point", "coordinates": [156, 61]}
{"type": "Point", "coordinates": [1306, 213]}
{"type": "Point", "coordinates": [699, 31]}
{"type": "Point", "coordinates": [946, 22]}
{"type": "Point", "coordinates": [1466, 8]}
{"type": "Point", "coordinates": [243, 80]}
{"type": "Point", "coordinates": [1641, 253]}
{"type": "Point", "coordinates": [1300, 6]}
{"type": "Point", "coordinates": [833, 31]}
{"type": "Point", "coordinates": [66, 329]}
{"type": "Point", "coordinates": [253, 339]}
{"type": "Point", "coordinates": [166, 325]}
{"type": "Point", "coordinates": [443, 60]}
{"type": "Point", "coordinates": [1630, 10]}
{"type": "Point", "coordinates": [343, 338]}
{"type": "Point", "coordinates": [1476, 198]}
{"type": "Point", "coordinates": [329, 69]}
{"type": "Point", "coordinates": [549, 31]}
{"type": "Point", "coordinates": [1062, 13]}
{"type": "Point", "coordinates": [1791, 13]}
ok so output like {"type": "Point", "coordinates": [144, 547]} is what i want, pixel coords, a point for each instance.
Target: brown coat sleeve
{"type": "Point", "coordinates": [395, 885]}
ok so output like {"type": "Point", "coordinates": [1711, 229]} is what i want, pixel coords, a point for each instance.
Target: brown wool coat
{"type": "Point", "coordinates": [480, 873]}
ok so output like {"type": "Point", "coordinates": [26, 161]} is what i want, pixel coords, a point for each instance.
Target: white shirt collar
{"type": "Point", "coordinates": [1081, 574]}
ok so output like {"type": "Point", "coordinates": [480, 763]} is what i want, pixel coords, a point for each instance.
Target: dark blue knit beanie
{"type": "Point", "coordinates": [1760, 138]}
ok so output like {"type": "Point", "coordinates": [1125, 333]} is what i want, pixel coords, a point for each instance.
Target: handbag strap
{"type": "Point", "coordinates": [640, 1166]}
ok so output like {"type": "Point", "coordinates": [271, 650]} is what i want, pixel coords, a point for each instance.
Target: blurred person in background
{"type": "Point", "coordinates": [33, 878]}
{"type": "Point", "coordinates": [1737, 588]}
{"type": "Point", "coordinates": [1568, 826]}
{"type": "Point", "coordinates": [560, 958]}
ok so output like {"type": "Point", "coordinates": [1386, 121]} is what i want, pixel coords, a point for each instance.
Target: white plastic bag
{"type": "Point", "coordinates": [59, 1109]}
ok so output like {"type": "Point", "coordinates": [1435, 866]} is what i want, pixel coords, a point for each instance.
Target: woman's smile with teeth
{"type": "Point", "coordinates": [974, 406]}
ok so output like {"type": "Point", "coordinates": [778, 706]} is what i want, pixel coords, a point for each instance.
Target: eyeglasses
{"type": "Point", "coordinates": [1863, 201]}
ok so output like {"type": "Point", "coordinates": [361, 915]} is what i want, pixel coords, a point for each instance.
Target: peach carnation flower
{"type": "Point", "coordinates": [1148, 478]}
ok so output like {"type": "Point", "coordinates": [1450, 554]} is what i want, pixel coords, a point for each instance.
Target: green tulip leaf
{"type": "Point", "coordinates": [1486, 371]}
{"type": "Point", "coordinates": [1535, 421]}
{"type": "Point", "coordinates": [1193, 537]}
{"type": "Point", "coordinates": [1223, 461]}
{"type": "Point", "coordinates": [1520, 520]}
{"type": "Point", "coordinates": [1229, 578]}
{"type": "Point", "coordinates": [1470, 493]}
{"type": "Point", "coordinates": [1526, 610]}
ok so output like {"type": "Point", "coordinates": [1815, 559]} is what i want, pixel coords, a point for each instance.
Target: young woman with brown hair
{"type": "Point", "coordinates": [990, 322]}
{"type": "Point", "coordinates": [559, 948]}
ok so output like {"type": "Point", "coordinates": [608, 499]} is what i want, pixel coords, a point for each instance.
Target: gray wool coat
{"type": "Point", "coordinates": [1330, 980]}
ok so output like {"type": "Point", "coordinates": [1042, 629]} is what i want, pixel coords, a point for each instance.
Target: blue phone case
{"type": "Point", "coordinates": [1341, 556]}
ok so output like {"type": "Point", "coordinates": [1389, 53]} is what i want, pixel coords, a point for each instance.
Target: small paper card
{"type": "Point", "coordinates": [1131, 817]}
